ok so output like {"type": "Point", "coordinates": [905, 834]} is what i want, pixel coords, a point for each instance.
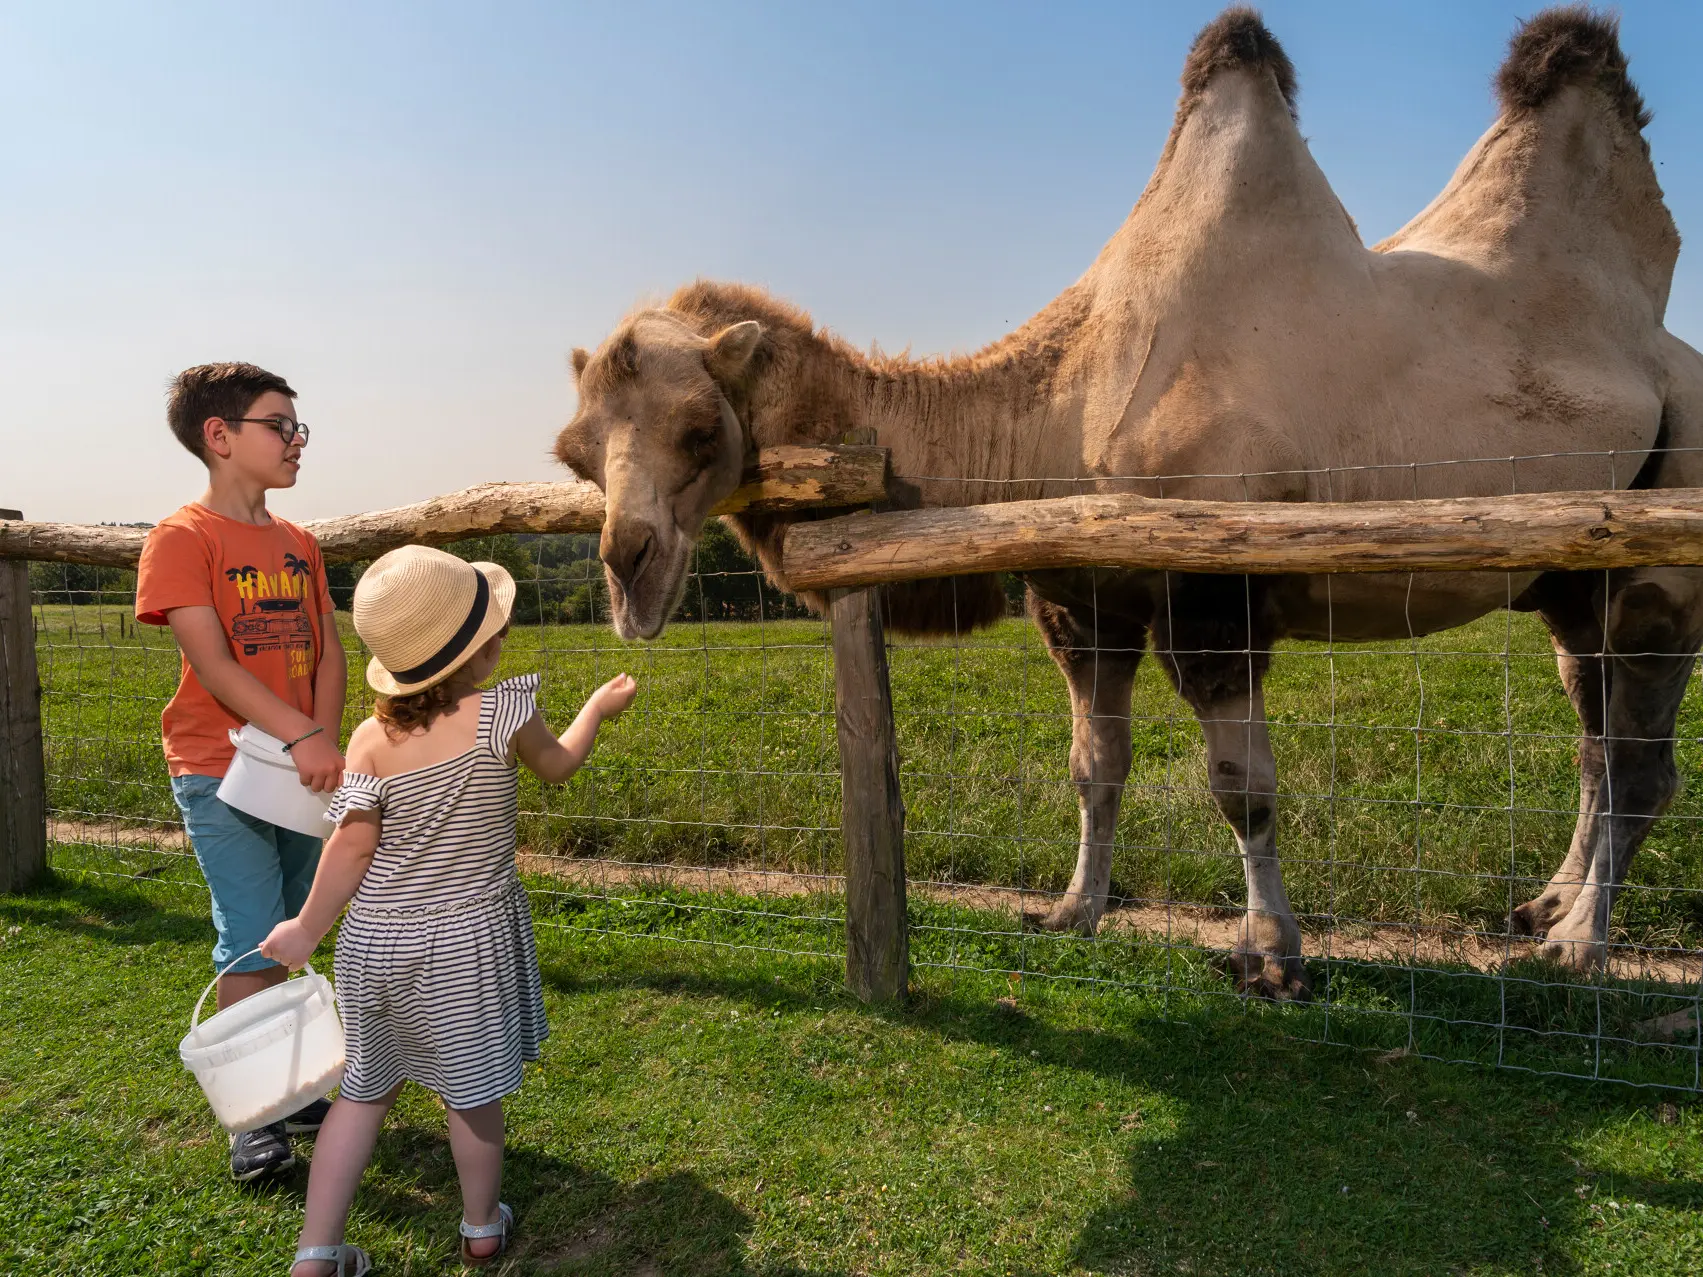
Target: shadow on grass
{"type": "Point", "coordinates": [570, 1221]}
{"type": "Point", "coordinates": [1259, 1154]}
{"type": "Point", "coordinates": [1287, 1157]}
{"type": "Point", "coordinates": [120, 915]}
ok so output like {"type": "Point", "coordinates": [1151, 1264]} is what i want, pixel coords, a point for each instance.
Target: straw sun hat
{"type": "Point", "coordinates": [423, 613]}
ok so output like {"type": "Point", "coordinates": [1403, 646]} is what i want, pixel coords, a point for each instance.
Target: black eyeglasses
{"type": "Point", "coordinates": [289, 431]}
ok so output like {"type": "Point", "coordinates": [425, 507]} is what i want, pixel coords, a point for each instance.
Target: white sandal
{"type": "Point", "coordinates": [341, 1255]}
{"type": "Point", "coordinates": [502, 1228]}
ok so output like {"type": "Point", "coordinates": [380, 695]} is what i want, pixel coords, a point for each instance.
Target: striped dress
{"type": "Point", "coordinates": [437, 971]}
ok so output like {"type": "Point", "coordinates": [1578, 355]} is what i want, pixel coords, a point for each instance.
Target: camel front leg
{"type": "Point", "coordinates": [1099, 670]}
{"type": "Point", "coordinates": [1100, 755]}
{"type": "Point", "coordinates": [1214, 637]}
{"type": "Point", "coordinates": [1267, 958]}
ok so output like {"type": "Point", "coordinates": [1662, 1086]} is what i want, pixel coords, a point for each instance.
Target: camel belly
{"type": "Point", "coordinates": [1343, 608]}
{"type": "Point", "coordinates": [1373, 607]}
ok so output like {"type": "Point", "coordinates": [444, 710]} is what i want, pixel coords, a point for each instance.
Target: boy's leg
{"type": "Point", "coordinates": [239, 859]}
{"type": "Point", "coordinates": [476, 1140]}
{"type": "Point", "coordinates": [339, 1160]}
{"type": "Point", "coordinates": [298, 860]}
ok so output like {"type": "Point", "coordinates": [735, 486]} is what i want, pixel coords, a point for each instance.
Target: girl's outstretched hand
{"type": "Point", "coordinates": [613, 697]}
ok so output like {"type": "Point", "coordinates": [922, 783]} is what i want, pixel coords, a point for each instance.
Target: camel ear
{"type": "Point", "coordinates": [731, 350]}
{"type": "Point", "coordinates": [582, 357]}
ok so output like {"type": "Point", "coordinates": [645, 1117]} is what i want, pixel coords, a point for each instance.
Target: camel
{"type": "Point", "coordinates": [1237, 340]}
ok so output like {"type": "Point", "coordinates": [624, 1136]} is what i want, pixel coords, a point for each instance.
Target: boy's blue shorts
{"type": "Point", "coordinates": [257, 873]}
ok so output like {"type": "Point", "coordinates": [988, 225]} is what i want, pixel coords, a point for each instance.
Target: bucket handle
{"type": "Point", "coordinates": [195, 1015]}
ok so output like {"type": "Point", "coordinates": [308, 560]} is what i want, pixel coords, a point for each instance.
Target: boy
{"type": "Point", "coordinates": [246, 598]}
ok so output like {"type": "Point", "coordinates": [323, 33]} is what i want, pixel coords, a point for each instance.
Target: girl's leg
{"type": "Point", "coordinates": [476, 1139]}
{"type": "Point", "coordinates": [340, 1157]}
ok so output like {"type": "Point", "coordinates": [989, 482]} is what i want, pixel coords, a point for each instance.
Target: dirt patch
{"type": "Point", "coordinates": [1171, 923]}
{"type": "Point", "coordinates": [577, 1250]}
{"type": "Point", "coordinates": [143, 836]}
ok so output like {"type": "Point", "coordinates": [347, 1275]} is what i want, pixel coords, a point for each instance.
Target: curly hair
{"type": "Point", "coordinates": [402, 715]}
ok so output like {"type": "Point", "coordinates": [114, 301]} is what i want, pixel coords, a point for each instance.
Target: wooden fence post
{"type": "Point", "coordinates": [872, 810]}
{"type": "Point", "coordinates": [23, 775]}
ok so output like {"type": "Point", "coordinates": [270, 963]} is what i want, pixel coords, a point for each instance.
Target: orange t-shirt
{"type": "Point", "coordinates": [267, 583]}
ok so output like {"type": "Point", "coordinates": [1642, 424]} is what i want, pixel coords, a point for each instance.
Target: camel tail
{"type": "Point", "coordinates": [1236, 39]}
{"type": "Point", "coordinates": [1565, 47]}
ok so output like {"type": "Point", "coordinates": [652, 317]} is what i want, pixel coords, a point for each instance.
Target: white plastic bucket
{"type": "Point", "coordinates": [263, 1058]}
{"type": "Point", "coordinates": [263, 782]}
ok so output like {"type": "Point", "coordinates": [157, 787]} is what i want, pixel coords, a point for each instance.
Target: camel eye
{"type": "Point", "coordinates": [700, 444]}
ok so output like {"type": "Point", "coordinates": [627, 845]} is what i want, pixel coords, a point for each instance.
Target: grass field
{"type": "Point", "coordinates": [1430, 784]}
{"type": "Point", "coordinates": [729, 1110]}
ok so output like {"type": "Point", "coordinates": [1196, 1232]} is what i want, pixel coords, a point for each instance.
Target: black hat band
{"type": "Point", "coordinates": [458, 642]}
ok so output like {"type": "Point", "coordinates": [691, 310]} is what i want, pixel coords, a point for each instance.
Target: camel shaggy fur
{"type": "Point", "coordinates": [1237, 340]}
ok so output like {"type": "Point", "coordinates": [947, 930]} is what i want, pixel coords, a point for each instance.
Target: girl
{"type": "Point", "coordinates": [437, 975]}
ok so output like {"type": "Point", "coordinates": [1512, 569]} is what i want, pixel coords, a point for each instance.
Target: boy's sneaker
{"type": "Point", "coordinates": [307, 1120]}
{"type": "Point", "coordinates": [262, 1152]}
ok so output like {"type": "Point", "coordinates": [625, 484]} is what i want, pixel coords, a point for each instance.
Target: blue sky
{"type": "Point", "coordinates": [414, 211]}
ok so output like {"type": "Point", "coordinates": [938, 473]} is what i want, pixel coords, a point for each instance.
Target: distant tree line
{"type": "Point", "coordinates": [558, 579]}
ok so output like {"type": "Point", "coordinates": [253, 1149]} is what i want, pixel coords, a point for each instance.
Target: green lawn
{"type": "Point", "coordinates": [706, 1110]}
{"type": "Point", "coordinates": [1431, 783]}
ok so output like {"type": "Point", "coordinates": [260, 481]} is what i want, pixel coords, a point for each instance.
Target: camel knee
{"type": "Point", "coordinates": [1644, 780]}
{"type": "Point", "coordinates": [1099, 769]}
{"type": "Point", "coordinates": [1246, 797]}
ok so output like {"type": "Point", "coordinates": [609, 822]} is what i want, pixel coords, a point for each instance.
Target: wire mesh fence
{"type": "Point", "coordinates": [1426, 787]}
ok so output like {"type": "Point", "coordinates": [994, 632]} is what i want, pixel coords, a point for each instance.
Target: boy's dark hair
{"type": "Point", "coordinates": [215, 390]}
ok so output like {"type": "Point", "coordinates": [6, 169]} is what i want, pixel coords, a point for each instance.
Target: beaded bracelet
{"type": "Point", "coordinates": [298, 740]}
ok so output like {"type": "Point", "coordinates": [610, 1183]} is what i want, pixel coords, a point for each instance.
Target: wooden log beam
{"type": "Point", "coordinates": [872, 812]}
{"type": "Point", "coordinates": [1552, 530]}
{"type": "Point", "coordinates": [783, 479]}
{"type": "Point", "coordinates": [23, 776]}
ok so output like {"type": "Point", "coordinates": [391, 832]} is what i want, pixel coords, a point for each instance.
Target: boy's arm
{"type": "Point", "coordinates": [330, 680]}
{"type": "Point", "coordinates": [343, 864]}
{"type": "Point", "coordinates": [201, 635]}
{"type": "Point", "coordinates": [553, 759]}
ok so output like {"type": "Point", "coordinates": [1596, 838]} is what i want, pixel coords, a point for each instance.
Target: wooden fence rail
{"type": "Point", "coordinates": [783, 479]}
{"type": "Point", "coordinates": [1552, 530]}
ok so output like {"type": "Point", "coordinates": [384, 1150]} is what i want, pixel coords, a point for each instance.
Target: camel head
{"type": "Point", "coordinates": [656, 432]}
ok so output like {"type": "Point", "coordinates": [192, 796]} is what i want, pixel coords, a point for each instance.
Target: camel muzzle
{"type": "Point", "coordinates": [627, 552]}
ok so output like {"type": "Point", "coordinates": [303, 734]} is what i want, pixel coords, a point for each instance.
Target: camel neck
{"type": "Point", "coordinates": [960, 429]}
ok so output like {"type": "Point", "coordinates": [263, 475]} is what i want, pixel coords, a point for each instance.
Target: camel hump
{"type": "Point", "coordinates": [1563, 47]}
{"type": "Point", "coordinates": [1237, 39]}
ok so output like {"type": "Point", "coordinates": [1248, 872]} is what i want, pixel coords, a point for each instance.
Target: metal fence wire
{"type": "Point", "coordinates": [1426, 786]}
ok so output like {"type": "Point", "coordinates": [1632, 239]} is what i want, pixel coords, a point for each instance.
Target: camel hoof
{"type": "Point", "coordinates": [1269, 977]}
{"type": "Point", "coordinates": [1065, 918]}
{"type": "Point", "coordinates": [1585, 956]}
{"type": "Point", "coordinates": [1536, 916]}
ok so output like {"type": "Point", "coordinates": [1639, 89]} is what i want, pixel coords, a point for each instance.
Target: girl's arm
{"type": "Point", "coordinates": [553, 759]}
{"type": "Point", "coordinates": [344, 862]}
